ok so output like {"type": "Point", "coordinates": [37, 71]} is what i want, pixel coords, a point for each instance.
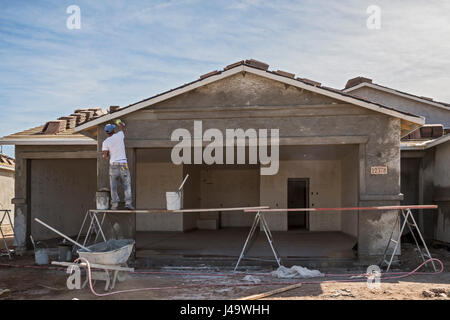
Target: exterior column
{"type": "Point", "coordinates": [375, 227]}
{"type": "Point", "coordinates": [22, 218]}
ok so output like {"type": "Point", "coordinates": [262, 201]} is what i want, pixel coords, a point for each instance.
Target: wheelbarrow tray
{"type": "Point", "coordinates": [111, 252]}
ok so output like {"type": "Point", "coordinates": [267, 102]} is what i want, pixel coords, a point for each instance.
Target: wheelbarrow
{"type": "Point", "coordinates": [110, 256]}
{"type": "Point", "coordinates": [108, 259]}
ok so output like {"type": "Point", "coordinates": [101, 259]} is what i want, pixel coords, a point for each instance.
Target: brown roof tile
{"type": "Point", "coordinates": [54, 126]}
{"type": "Point", "coordinates": [209, 74]}
{"type": "Point", "coordinates": [231, 66]}
{"type": "Point", "coordinates": [6, 161]}
{"type": "Point", "coordinates": [355, 81]}
{"type": "Point", "coordinates": [285, 74]}
{"type": "Point", "coordinates": [257, 64]}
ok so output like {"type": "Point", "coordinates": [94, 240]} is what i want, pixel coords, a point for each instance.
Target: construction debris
{"type": "Point", "coordinates": [296, 272]}
{"type": "Point", "coordinates": [427, 294]}
{"type": "Point", "coordinates": [271, 292]}
{"type": "Point", "coordinates": [251, 279]}
{"type": "Point", "coordinates": [436, 293]}
{"type": "Point", "coordinates": [4, 293]}
{"type": "Point", "coordinates": [343, 293]}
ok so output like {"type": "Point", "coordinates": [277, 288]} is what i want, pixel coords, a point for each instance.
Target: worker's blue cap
{"type": "Point", "coordinates": [109, 128]}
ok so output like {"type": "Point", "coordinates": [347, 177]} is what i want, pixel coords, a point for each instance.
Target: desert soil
{"type": "Point", "coordinates": [48, 283]}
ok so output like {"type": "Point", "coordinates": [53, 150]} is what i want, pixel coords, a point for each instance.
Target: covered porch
{"type": "Point", "coordinates": [222, 248]}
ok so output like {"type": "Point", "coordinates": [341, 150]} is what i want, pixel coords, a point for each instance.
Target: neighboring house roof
{"type": "Point", "coordinates": [260, 69]}
{"type": "Point", "coordinates": [423, 145]}
{"type": "Point", "coordinates": [55, 132]}
{"type": "Point", "coordinates": [360, 82]}
{"type": "Point", "coordinates": [6, 162]}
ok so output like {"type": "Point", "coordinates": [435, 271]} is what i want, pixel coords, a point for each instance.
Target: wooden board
{"type": "Point", "coordinates": [157, 210]}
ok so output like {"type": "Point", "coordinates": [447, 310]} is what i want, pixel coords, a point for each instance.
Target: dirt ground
{"type": "Point", "coordinates": [206, 283]}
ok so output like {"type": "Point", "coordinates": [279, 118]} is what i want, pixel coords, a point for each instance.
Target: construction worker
{"type": "Point", "coordinates": [114, 147]}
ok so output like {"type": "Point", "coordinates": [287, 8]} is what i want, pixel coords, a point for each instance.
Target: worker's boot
{"type": "Point", "coordinates": [114, 206]}
{"type": "Point", "coordinates": [129, 206]}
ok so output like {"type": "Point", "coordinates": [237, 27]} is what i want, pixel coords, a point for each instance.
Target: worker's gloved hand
{"type": "Point", "coordinates": [118, 122]}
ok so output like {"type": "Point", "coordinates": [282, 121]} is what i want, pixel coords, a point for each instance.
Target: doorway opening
{"type": "Point", "coordinates": [298, 197]}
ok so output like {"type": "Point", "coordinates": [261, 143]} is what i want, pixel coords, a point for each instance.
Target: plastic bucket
{"type": "Point", "coordinates": [173, 200]}
{"type": "Point", "coordinates": [41, 255]}
{"type": "Point", "coordinates": [64, 252]}
{"type": "Point", "coordinates": [102, 200]}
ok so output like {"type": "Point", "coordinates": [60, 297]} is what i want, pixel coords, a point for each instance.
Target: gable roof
{"type": "Point", "coordinates": [360, 82]}
{"type": "Point", "coordinates": [6, 162]}
{"type": "Point", "coordinates": [63, 134]}
{"type": "Point", "coordinates": [411, 121]}
{"type": "Point", "coordinates": [36, 136]}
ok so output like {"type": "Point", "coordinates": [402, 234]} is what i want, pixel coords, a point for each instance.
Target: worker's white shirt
{"type": "Point", "coordinates": [116, 148]}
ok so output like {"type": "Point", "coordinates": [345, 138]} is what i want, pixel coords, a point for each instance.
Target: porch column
{"type": "Point", "coordinates": [375, 227]}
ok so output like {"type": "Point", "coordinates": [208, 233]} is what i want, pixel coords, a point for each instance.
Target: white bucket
{"type": "Point", "coordinates": [102, 200]}
{"type": "Point", "coordinates": [173, 200]}
{"type": "Point", "coordinates": [41, 254]}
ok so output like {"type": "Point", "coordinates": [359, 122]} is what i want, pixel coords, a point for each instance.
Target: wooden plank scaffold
{"type": "Point", "coordinates": [95, 218]}
{"type": "Point", "coordinates": [408, 220]}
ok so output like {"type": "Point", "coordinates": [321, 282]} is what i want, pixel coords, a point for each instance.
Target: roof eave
{"type": "Point", "coordinates": [9, 168]}
{"type": "Point", "coordinates": [418, 120]}
{"type": "Point", "coordinates": [159, 98]}
{"type": "Point", "coordinates": [47, 141]}
{"type": "Point", "coordinates": [393, 91]}
{"type": "Point", "coordinates": [426, 144]}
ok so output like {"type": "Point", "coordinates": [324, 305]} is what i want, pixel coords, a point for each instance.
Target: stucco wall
{"type": "Point", "coordinates": [248, 101]}
{"type": "Point", "coordinates": [24, 155]}
{"type": "Point", "coordinates": [7, 192]}
{"type": "Point", "coordinates": [61, 193]}
{"type": "Point", "coordinates": [153, 180]}
{"type": "Point", "coordinates": [432, 114]}
{"type": "Point", "coordinates": [230, 186]}
{"type": "Point", "coordinates": [349, 192]}
{"type": "Point", "coordinates": [191, 195]}
{"type": "Point", "coordinates": [324, 189]}
{"type": "Point", "coordinates": [442, 190]}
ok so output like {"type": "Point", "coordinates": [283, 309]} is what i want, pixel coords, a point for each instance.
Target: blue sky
{"type": "Point", "coordinates": [129, 50]}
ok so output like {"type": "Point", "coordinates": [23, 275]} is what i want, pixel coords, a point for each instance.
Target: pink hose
{"type": "Point", "coordinates": [401, 275]}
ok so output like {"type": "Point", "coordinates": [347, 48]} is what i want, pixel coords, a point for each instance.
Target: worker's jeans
{"type": "Point", "coordinates": [122, 172]}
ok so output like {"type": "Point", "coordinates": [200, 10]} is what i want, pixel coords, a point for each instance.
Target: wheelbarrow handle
{"type": "Point", "coordinates": [62, 235]}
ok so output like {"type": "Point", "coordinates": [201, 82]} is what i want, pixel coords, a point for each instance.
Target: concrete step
{"type": "Point", "coordinates": [158, 261]}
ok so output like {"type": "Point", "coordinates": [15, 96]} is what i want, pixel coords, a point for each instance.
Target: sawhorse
{"type": "Point", "coordinates": [408, 220]}
{"type": "Point", "coordinates": [6, 214]}
{"type": "Point", "coordinates": [258, 221]}
{"type": "Point", "coordinates": [94, 226]}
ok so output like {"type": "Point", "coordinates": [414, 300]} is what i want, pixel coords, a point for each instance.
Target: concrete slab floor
{"type": "Point", "coordinates": [228, 242]}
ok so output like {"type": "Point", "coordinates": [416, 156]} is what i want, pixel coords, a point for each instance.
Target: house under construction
{"type": "Point", "coordinates": [365, 145]}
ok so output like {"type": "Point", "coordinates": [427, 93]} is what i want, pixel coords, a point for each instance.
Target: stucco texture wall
{"type": "Point", "coordinates": [325, 191]}
{"type": "Point", "coordinates": [61, 193]}
{"type": "Point", "coordinates": [154, 177]}
{"type": "Point", "coordinates": [7, 194]}
{"type": "Point", "coordinates": [442, 191]}
{"type": "Point", "coordinates": [249, 101]}
{"type": "Point", "coordinates": [432, 114]}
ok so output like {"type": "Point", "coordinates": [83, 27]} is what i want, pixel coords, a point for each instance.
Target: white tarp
{"type": "Point", "coordinates": [296, 272]}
